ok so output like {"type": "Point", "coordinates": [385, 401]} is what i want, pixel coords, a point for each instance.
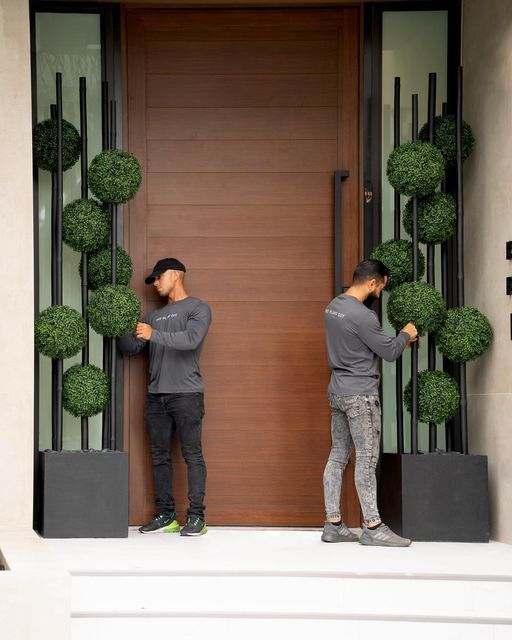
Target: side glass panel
{"type": "Point", "coordinates": [414, 43]}
{"type": "Point", "coordinates": [69, 43]}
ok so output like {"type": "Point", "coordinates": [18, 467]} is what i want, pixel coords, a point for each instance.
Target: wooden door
{"type": "Point", "coordinates": [239, 119]}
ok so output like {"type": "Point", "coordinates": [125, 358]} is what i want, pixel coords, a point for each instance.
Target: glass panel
{"type": "Point", "coordinates": [69, 43]}
{"type": "Point", "coordinates": [414, 43]}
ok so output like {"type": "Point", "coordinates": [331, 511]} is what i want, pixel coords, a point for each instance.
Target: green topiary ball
{"type": "Point", "coordinates": [396, 255]}
{"type": "Point", "coordinates": [438, 397]}
{"type": "Point", "coordinates": [44, 141]}
{"type": "Point", "coordinates": [415, 168]}
{"type": "Point", "coordinates": [114, 310]}
{"type": "Point", "coordinates": [85, 225]}
{"type": "Point", "coordinates": [60, 332]}
{"type": "Point", "coordinates": [85, 390]}
{"type": "Point", "coordinates": [114, 176]}
{"type": "Point", "coordinates": [100, 268]}
{"type": "Point", "coordinates": [419, 303]}
{"type": "Point", "coordinates": [445, 138]}
{"type": "Point", "coordinates": [465, 334]}
{"type": "Point", "coordinates": [437, 218]}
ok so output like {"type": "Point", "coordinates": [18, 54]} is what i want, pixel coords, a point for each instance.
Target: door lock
{"type": "Point", "coordinates": [368, 196]}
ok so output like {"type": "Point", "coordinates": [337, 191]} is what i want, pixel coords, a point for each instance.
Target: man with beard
{"type": "Point", "coordinates": [355, 342]}
{"type": "Point", "coordinates": [174, 335]}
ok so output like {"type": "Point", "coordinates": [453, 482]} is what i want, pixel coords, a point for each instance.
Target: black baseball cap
{"type": "Point", "coordinates": [163, 265]}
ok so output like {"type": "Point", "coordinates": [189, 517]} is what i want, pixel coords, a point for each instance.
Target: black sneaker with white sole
{"type": "Point", "coordinates": [195, 526]}
{"type": "Point", "coordinates": [161, 522]}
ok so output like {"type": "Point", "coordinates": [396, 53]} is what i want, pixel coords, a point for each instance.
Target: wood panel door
{"type": "Point", "coordinates": [239, 119]}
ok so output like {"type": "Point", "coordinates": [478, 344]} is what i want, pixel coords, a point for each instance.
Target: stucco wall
{"type": "Point", "coordinates": [487, 60]}
{"type": "Point", "coordinates": [16, 260]}
{"type": "Point", "coordinates": [34, 591]}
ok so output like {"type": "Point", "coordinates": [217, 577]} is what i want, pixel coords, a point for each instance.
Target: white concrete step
{"type": "Point", "coordinates": [310, 597]}
{"type": "Point", "coordinates": [253, 583]}
{"type": "Point", "coordinates": [271, 629]}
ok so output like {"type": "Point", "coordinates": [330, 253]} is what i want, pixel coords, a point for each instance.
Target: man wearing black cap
{"type": "Point", "coordinates": [175, 402]}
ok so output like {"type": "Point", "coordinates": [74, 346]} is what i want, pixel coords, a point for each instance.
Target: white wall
{"type": "Point", "coordinates": [487, 60]}
{"type": "Point", "coordinates": [34, 591]}
{"type": "Point", "coordinates": [16, 264]}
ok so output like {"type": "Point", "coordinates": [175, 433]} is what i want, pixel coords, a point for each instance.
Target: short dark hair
{"type": "Point", "coordinates": [369, 269]}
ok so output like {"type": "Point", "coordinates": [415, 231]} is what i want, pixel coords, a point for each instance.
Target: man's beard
{"type": "Point", "coordinates": [370, 300]}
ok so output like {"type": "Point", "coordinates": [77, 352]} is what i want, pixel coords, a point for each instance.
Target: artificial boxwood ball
{"type": "Point", "coordinates": [60, 332]}
{"type": "Point", "coordinates": [85, 225]}
{"type": "Point", "coordinates": [396, 255]}
{"type": "Point", "coordinates": [44, 141]}
{"type": "Point", "coordinates": [437, 218]}
{"type": "Point", "coordinates": [445, 138]}
{"type": "Point", "coordinates": [114, 310]}
{"type": "Point", "coordinates": [419, 303]}
{"type": "Point", "coordinates": [114, 176]}
{"type": "Point", "coordinates": [415, 168]}
{"type": "Point", "coordinates": [85, 390]}
{"type": "Point", "coordinates": [438, 397]}
{"type": "Point", "coordinates": [100, 268]}
{"type": "Point", "coordinates": [465, 334]}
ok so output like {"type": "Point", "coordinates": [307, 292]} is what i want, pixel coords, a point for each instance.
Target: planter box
{"type": "Point", "coordinates": [435, 497]}
{"type": "Point", "coordinates": [83, 494]}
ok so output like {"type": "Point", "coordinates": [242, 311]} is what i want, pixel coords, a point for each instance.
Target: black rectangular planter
{"type": "Point", "coordinates": [83, 494]}
{"type": "Point", "coordinates": [435, 497]}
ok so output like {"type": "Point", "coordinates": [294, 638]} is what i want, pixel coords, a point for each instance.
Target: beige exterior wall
{"type": "Point", "coordinates": [16, 281]}
{"type": "Point", "coordinates": [34, 591]}
{"type": "Point", "coordinates": [487, 60]}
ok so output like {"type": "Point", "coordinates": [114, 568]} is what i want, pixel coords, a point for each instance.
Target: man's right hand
{"type": "Point", "coordinates": [412, 331]}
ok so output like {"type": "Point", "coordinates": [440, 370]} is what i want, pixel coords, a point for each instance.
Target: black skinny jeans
{"type": "Point", "coordinates": [165, 414]}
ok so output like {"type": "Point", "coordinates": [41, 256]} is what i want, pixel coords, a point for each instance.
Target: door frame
{"type": "Point", "coordinates": [114, 70]}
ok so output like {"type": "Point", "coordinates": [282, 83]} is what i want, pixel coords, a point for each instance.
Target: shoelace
{"type": "Point", "coordinates": [161, 516]}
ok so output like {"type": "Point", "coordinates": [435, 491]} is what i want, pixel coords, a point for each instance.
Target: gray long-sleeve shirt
{"type": "Point", "coordinates": [179, 330]}
{"type": "Point", "coordinates": [355, 342]}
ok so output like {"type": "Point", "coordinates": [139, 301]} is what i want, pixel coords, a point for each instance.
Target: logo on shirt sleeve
{"type": "Point", "coordinates": [171, 315]}
{"type": "Point", "coordinates": [330, 312]}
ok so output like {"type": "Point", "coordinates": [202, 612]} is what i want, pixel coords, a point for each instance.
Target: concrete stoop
{"type": "Point", "coordinates": [241, 583]}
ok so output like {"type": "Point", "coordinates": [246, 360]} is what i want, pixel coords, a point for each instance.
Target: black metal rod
{"type": "Point", "coordinates": [397, 233]}
{"type": "Point", "coordinates": [59, 176]}
{"type": "Point", "coordinates": [414, 349]}
{"type": "Point", "coordinates": [113, 341]}
{"type": "Point", "coordinates": [460, 259]}
{"type": "Point", "coordinates": [113, 125]}
{"type": "Point", "coordinates": [85, 270]}
{"type": "Point", "coordinates": [396, 143]}
{"type": "Point", "coordinates": [113, 243]}
{"type": "Point", "coordinates": [105, 429]}
{"type": "Point", "coordinates": [105, 140]}
{"type": "Point", "coordinates": [58, 415]}
{"type": "Point", "coordinates": [444, 246]}
{"type": "Point", "coordinates": [113, 372]}
{"type": "Point", "coordinates": [431, 255]}
{"type": "Point", "coordinates": [53, 115]}
{"type": "Point", "coordinates": [448, 427]}
{"type": "Point", "coordinates": [339, 176]}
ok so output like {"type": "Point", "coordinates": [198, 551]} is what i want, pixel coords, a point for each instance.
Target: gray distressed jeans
{"type": "Point", "coordinates": [356, 422]}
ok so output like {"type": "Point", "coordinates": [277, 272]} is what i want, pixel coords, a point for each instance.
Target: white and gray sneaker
{"type": "Point", "coordinates": [339, 533]}
{"type": "Point", "coordinates": [382, 536]}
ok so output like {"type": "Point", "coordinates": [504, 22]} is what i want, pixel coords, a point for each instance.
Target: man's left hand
{"type": "Point", "coordinates": [143, 331]}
